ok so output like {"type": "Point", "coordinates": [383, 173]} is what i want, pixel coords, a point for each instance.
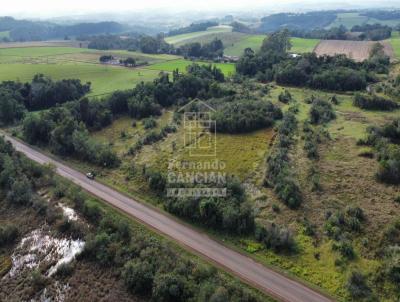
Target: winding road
{"type": "Point", "coordinates": [267, 280]}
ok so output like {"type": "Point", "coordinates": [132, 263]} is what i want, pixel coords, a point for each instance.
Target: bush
{"type": "Point", "coordinates": [392, 264]}
{"type": "Point", "coordinates": [285, 97]}
{"type": "Point", "coordinates": [138, 276]}
{"type": "Point", "coordinates": [21, 192]}
{"type": "Point", "coordinates": [169, 287]}
{"type": "Point", "coordinates": [374, 102]}
{"type": "Point", "coordinates": [321, 112]}
{"type": "Point", "coordinates": [8, 234]}
{"type": "Point", "coordinates": [277, 238]}
{"type": "Point", "coordinates": [149, 123]}
{"type": "Point", "coordinates": [357, 286]}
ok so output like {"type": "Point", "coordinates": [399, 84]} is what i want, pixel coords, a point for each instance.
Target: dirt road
{"type": "Point", "coordinates": [267, 280]}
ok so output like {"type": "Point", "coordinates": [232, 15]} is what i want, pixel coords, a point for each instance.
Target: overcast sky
{"type": "Point", "coordinates": [47, 8]}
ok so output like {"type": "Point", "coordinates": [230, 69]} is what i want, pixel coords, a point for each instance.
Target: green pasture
{"type": "Point", "coordinates": [104, 79]}
{"type": "Point", "coordinates": [395, 41]}
{"type": "Point", "coordinates": [300, 45]}
{"type": "Point", "coordinates": [250, 41]}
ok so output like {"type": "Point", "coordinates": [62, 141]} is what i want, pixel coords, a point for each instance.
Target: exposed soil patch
{"type": "Point", "coordinates": [357, 50]}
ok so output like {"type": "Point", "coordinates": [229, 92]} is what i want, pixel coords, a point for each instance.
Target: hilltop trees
{"type": "Point", "coordinates": [211, 50]}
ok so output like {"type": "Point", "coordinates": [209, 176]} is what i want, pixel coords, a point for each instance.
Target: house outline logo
{"type": "Point", "coordinates": [200, 136]}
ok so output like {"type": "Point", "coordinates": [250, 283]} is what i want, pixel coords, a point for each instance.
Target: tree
{"type": "Point", "coordinates": [20, 192]}
{"type": "Point", "coordinates": [277, 42]}
{"type": "Point", "coordinates": [138, 276]}
{"type": "Point", "coordinates": [169, 287]}
{"type": "Point", "coordinates": [357, 286]}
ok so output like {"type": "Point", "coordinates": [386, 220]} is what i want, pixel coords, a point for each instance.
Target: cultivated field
{"type": "Point", "coordinates": [254, 42]}
{"type": "Point", "coordinates": [300, 45]}
{"type": "Point", "coordinates": [184, 38]}
{"type": "Point", "coordinates": [395, 41]}
{"type": "Point", "coordinates": [69, 62]}
{"type": "Point", "coordinates": [249, 41]}
{"type": "Point", "coordinates": [357, 50]}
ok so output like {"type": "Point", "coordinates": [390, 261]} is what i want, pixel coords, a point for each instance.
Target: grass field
{"type": "Point", "coordinates": [190, 36]}
{"type": "Point", "coordinates": [23, 63]}
{"type": "Point", "coordinates": [300, 45]}
{"type": "Point", "coordinates": [395, 41]}
{"type": "Point", "coordinates": [104, 79]}
{"type": "Point", "coordinates": [181, 64]}
{"type": "Point", "coordinates": [252, 41]}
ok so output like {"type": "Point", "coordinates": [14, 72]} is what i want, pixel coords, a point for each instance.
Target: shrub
{"type": "Point", "coordinates": [8, 234]}
{"type": "Point", "coordinates": [392, 263]}
{"type": "Point", "coordinates": [357, 286]}
{"type": "Point", "coordinates": [321, 112]}
{"type": "Point", "coordinates": [169, 287]}
{"type": "Point", "coordinates": [279, 239]}
{"type": "Point", "coordinates": [138, 276]}
{"type": "Point", "coordinates": [149, 123]}
{"type": "Point", "coordinates": [374, 102]}
{"type": "Point", "coordinates": [285, 97]}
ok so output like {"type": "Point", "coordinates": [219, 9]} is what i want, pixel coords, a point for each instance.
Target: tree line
{"type": "Point", "coordinates": [42, 93]}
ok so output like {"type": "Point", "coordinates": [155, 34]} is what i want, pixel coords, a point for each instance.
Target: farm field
{"type": "Point", "coordinates": [395, 41]}
{"type": "Point", "coordinates": [250, 41]}
{"type": "Point", "coordinates": [357, 50]}
{"type": "Point", "coordinates": [181, 64]}
{"type": "Point", "coordinates": [104, 79]}
{"type": "Point", "coordinates": [23, 63]}
{"type": "Point", "coordinates": [183, 38]}
{"type": "Point", "coordinates": [300, 45]}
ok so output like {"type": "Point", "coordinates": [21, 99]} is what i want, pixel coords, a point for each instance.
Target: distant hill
{"type": "Point", "coordinates": [25, 30]}
{"type": "Point", "coordinates": [304, 21]}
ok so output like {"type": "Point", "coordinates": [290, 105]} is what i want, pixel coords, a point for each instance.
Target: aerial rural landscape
{"type": "Point", "coordinates": [226, 151]}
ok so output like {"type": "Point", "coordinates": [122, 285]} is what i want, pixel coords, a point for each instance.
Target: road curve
{"type": "Point", "coordinates": [267, 280]}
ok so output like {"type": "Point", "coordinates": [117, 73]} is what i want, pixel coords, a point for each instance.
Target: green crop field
{"type": "Point", "coordinates": [395, 41]}
{"type": "Point", "coordinates": [250, 41]}
{"type": "Point", "coordinates": [181, 64]}
{"type": "Point", "coordinates": [179, 39]}
{"type": "Point", "coordinates": [254, 42]}
{"type": "Point", "coordinates": [300, 45]}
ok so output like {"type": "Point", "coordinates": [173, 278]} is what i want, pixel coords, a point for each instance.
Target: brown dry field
{"type": "Point", "coordinates": [357, 50]}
